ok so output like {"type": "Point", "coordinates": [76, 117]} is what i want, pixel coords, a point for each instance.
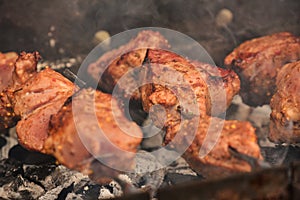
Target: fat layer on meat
{"type": "Point", "coordinates": [257, 62]}
{"type": "Point", "coordinates": [285, 104]}
{"type": "Point", "coordinates": [93, 118]}
{"type": "Point", "coordinates": [36, 100]}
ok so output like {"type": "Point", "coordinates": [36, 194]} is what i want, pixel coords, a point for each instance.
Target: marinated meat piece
{"type": "Point", "coordinates": [285, 104]}
{"type": "Point", "coordinates": [219, 162]}
{"type": "Point", "coordinates": [175, 84]}
{"type": "Point", "coordinates": [74, 123]}
{"type": "Point", "coordinates": [39, 98]}
{"type": "Point", "coordinates": [114, 64]}
{"type": "Point", "coordinates": [13, 74]}
{"type": "Point", "coordinates": [7, 62]}
{"type": "Point", "coordinates": [219, 81]}
{"type": "Point", "coordinates": [257, 62]}
{"type": "Point", "coordinates": [191, 88]}
{"type": "Point", "coordinates": [7, 116]}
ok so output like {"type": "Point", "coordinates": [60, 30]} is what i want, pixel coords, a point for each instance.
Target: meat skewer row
{"type": "Point", "coordinates": [257, 63]}
{"type": "Point", "coordinates": [285, 105]}
{"type": "Point", "coordinates": [205, 78]}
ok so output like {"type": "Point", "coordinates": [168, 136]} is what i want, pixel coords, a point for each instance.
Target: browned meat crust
{"type": "Point", "coordinates": [39, 98]}
{"type": "Point", "coordinates": [257, 62]}
{"type": "Point", "coordinates": [7, 116]}
{"type": "Point", "coordinates": [119, 61]}
{"type": "Point", "coordinates": [220, 82]}
{"type": "Point", "coordinates": [219, 162]}
{"type": "Point", "coordinates": [13, 74]}
{"type": "Point", "coordinates": [64, 141]}
{"type": "Point", "coordinates": [285, 104]}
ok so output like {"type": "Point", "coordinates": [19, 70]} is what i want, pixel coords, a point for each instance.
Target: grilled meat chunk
{"type": "Point", "coordinates": [39, 98]}
{"type": "Point", "coordinates": [116, 63]}
{"type": "Point", "coordinates": [94, 118]}
{"type": "Point", "coordinates": [285, 104]}
{"type": "Point", "coordinates": [175, 85]}
{"type": "Point", "coordinates": [186, 88]}
{"type": "Point", "coordinates": [257, 62]}
{"type": "Point", "coordinates": [219, 162]}
{"type": "Point", "coordinates": [14, 72]}
{"type": "Point", "coordinates": [7, 116]}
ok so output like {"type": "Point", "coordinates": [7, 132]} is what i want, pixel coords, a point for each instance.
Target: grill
{"type": "Point", "coordinates": [64, 32]}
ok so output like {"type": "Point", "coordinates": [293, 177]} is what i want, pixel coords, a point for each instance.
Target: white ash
{"type": "Point", "coordinates": [259, 117]}
{"type": "Point", "coordinates": [15, 189]}
{"type": "Point", "coordinates": [148, 171]}
{"type": "Point", "coordinates": [62, 176]}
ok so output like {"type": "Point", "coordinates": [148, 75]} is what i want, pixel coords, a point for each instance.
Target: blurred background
{"type": "Point", "coordinates": [67, 28]}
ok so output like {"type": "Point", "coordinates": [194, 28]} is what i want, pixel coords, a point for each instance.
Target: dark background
{"type": "Point", "coordinates": [25, 24]}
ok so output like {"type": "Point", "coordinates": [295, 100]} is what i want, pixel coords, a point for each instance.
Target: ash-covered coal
{"type": "Point", "coordinates": [30, 175]}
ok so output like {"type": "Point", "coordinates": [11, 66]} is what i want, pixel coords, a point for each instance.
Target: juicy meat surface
{"type": "Point", "coordinates": [116, 63]}
{"type": "Point", "coordinates": [7, 116]}
{"type": "Point", "coordinates": [219, 162]}
{"type": "Point", "coordinates": [90, 113]}
{"type": "Point", "coordinates": [257, 62]}
{"type": "Point", "coordinates": [285, 104]}
{"type": "Point", "coordinates": [39, 98]}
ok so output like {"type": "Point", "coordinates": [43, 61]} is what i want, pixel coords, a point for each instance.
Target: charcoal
{"type": "Point", "coordinates": [175, 178]}
{"type": "Point", "coordinates": [21, 188]}
{"type": "Point", "coordinates": [148, 171]}
{"type": "Point", "coordinates": [29, 157]}
{"type": "Point", "coordinates": [9, 170]}
{"type": "Point", "coordinates": [2, 142]}
{"type": "Point", "coordinates": [88, 191]}
{"type": "Point", "coordinates": [38, 173]}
